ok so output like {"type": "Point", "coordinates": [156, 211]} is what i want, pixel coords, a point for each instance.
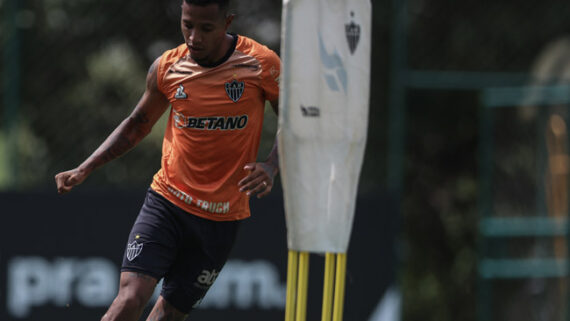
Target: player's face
{"type": "Point", "coordinates": [204, 29]}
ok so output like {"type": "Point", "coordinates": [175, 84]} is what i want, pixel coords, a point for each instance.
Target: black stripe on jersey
{"type": "Point", "coordinates": [252, 67]}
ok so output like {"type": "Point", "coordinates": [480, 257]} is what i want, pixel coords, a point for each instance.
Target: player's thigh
{"type": "Point", "coordinates": [153, 240]}
{"type": "Point", "coordinates": [198, 266]}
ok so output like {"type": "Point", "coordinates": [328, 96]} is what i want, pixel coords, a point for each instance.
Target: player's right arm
{"type": "Point", "coordinates": [128, 134]}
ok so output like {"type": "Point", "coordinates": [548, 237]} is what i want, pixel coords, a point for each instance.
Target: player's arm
{"type": "Point", "coordinates": [260, 179]}
{"type": "Point", "coordinates": [128, 134]}
{"type": "Point", "coordinates": [273, 158]}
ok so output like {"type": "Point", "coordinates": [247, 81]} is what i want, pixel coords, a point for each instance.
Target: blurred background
{"type": "Point", "coordinates": [463, 202]}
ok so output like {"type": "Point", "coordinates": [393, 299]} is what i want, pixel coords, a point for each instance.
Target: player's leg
{"type": "Point", "coordinates": [202, 255]}
{"type": "Point", "coordinates": [163, 311]}
{"type": "Point", "coordinates": [135, 290]}
{"type": "Point", "coordinates": [151, 250]}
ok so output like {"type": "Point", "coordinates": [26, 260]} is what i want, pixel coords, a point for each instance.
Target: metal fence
{"type": "Point", "coordinates": [444, 56]}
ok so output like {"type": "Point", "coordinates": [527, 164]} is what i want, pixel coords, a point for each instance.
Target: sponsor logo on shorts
{"type": "Point", "coordinates": [133, 250]}
{"type": "Point", "coordinates": [206, 279]}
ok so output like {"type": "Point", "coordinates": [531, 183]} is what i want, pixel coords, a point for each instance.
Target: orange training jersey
{"type": "Point", "coordinates": [214, 127]}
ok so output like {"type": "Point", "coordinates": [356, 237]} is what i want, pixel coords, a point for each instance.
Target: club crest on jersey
{"type": "Point", "coordinates": [133, 250]}
{"type": "Point", "coordinates": [234, 89]}
{"type": "Point", "coordinates": [180, 94]}
{"type": "Point", "coordinates": [352, 31]}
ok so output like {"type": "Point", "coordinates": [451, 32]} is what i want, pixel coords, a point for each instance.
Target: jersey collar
{"type": "Point", "coordinates": [227, 56]}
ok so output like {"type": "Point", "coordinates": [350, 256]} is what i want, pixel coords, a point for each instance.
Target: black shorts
{"type": "Point", "coordinates": [186, 250]}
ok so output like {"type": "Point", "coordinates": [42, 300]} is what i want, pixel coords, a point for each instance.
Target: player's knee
{"type": "Point", "coordinates": [132, 300]}
{"type": "Point", "coordinates": [127, 304]}
{"type": "Point", "coordinates": [176, 314]}
{"type": "Point", "coordinates": [136, 290]}
{"type": "Point", "coordinates": [165, 311]}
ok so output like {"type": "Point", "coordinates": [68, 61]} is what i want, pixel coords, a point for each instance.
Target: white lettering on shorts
{"type": "Point", "coordinates": [206, 279]}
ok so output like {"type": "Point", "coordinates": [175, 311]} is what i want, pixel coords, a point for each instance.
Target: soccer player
{"type": "Point", "coordinates": [216, 84]}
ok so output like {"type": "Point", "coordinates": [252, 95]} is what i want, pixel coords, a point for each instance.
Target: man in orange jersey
{"type": "Point", "coordinates": [216, 84]}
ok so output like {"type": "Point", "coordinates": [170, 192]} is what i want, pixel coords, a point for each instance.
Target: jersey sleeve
{"type": "Point", "coordinates": [168, 58]}
{"type": "Point", "coordinates": [163, 65]}
{"type": "Point", "coordinates": [271, 72]}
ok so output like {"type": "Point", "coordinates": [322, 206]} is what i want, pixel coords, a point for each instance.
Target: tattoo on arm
{"type": "Point", "coordinates": [131, 131]}
{"type": "Point", "coordinates": [140, 117]}
{"type": "Point", "coordinates": [121, 145]}
{"type": "Point", "coordinates": [152, 76]}
{"type": "Point", "coordinates": [125, 137]}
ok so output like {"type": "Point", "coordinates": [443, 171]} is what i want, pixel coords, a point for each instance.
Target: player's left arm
{"type": "Point", "coordinates": [262, 174]}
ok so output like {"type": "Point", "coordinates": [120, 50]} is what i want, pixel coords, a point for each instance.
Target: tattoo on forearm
{"type": "Point", "coordinates": [131, 131]}
{"type": "Point", "coordinates": [140, 117]}
{"type": "Point", "coordinates": [125, 137]}
{"type": "Point", "coordinates": [118, 148]}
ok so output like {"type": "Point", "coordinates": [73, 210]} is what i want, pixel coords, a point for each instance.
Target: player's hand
{"type": "Point", "coordinates": [259, 180]}
{"type": "Point", "coordinates": [67, 180]}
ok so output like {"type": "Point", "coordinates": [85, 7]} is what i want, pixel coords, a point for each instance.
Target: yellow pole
{"type": "Point", "coordinates": [302, 287]}
{"type": "Point", "coordinates": [292, 267]}
{"type": "Point", "coordinates": [339, 286]}
{"type": "Point", "coordinates": [328, 287]}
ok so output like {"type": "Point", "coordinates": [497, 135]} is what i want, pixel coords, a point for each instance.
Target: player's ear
{"type": "Point", "coordinates": [229, 19]}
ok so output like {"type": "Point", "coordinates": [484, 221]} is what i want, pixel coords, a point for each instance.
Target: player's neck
{"type": "Point", "coordinates": [226, 46]}
{"type": "Point", "coordinates": [226, 49]}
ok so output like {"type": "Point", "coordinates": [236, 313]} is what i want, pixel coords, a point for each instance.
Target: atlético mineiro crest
{"type": "Point", "coordinates": [133, 250]}
{"type": "Point", "coordinates": [234, 89]}
{"type": "Point", "coordinates": [352, 31]}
